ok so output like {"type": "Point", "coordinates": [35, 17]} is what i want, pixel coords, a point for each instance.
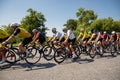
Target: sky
{"type": "Point", "coordinates": [56, 12]}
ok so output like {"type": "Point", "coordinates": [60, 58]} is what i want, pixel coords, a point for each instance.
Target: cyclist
{"type": "Point", "coordinates": [70, 38]}
{"type": "Point", "coordinates": [81, 34]}
{"type": "Point", "coordinates": [38, 36]}
{"type": "Point", "coordinates": [57, 36]}
{"type": "Point", "coordinates": [20, 32]}
{"type": "Point", "coordinates": [96, 37]}
{"type": "Point", "coordinates": [114, 37]}
{"type": "Point", "coordinates": [87, 36]}
{"type": "Point", "coordinates": [84, 36]}
{"type": "Point", "coordinates": [3, 36]}
{"type": "Point", "coordinates": [105, 37]}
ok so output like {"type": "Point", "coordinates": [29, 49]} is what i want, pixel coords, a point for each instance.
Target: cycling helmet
{"type": "Point", "coordinates": [34, 30]}
{"type": "Point", "coordinates": [64, 29]}
{"type": "Point", "coordinates": [104, 32]}
{"type": "Point", "coordinates": [95, 30]}
{"type": "Point", "coordinates": [113, 32]}
{"type": "Point", "coordinates": [13, 25]}
{"type": "Point", "coordinates": [53, 29]}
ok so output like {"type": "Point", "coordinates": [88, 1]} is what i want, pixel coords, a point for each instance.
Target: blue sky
{"type": "Point", "coordinates": [57, 12]}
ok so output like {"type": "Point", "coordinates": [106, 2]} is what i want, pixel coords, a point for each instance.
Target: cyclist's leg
{"type": "Point", "coordinates": [2, 53]}
{"type": "Point", "coordinates": [71, 48]}
{"type": "Point", "coordinates": [22, 48]}
{"type": "Point", "coordinates": [41, 41]}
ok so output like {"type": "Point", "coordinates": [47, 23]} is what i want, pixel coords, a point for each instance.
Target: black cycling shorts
{"type": "Point", "coordinates": [42, 40]}
{"type": "Point", "coordinates": [26, 41]}
{"type": "Point", "coordinates": [72, 41]}
{"type": "Point", "coordinates": [86, 39]}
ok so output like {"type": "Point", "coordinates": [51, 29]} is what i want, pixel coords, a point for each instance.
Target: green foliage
{"type": "Point", "coordinates": [34, 20]}
{"type": "Point", "coordinates": [87, 19]}
{"type": "Point", "coordinates": [71, 24]}
{"type": "Point", "coordinates": [106, 24]}
{"type": "Point", "coordinates": [8, 29]}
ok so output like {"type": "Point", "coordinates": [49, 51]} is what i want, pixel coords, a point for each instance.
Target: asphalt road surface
{"type": "Point", "coordinates": [105, 68]}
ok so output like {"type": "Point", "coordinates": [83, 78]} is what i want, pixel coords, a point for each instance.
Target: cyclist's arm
{"type": "Point", "coordinates": [35, 38]}
{"type": "Point", "coordinates": [66, 40]}
{"type": "Point", "coordinates": [12, 36]}
{"type": "Point", "coordinates": [84, 37]}
{"type": "Point", "coordinates": [50, 38]}
{"type": "Point", "coordinates": [91, 38]}
{"type": "Point", "coordinates": [61, 38]}
{"type": "Point", "coordinates": [117, 37]}
{"type": "Point", "coordinates": [97, 38]}
{"type": "Point", "coordinates": [111, 37]}
{"type": "Point", "coordinates": [78, 37]}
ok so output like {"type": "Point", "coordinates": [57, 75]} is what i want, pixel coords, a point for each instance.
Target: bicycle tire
{"type": "Point", "coordinates": [92, 52]}
{"type": "Point", "coordinates": [113, 50]}
{"type": "Point", "coordinates": [60, 55]}
{"type": "Point", "coordinates": [77, 50]}
{"type": "Point", "coordinates": [48, 53]}
{"type": "Point", "coordinates": [10, 56]}
{"type": "Point", "coordinates": [34, 56]}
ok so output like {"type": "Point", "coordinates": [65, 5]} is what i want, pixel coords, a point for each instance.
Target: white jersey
{"type": "Point", "coordinates": [58, 35]}
{"type": "Point", "coordinates": [70, 34]}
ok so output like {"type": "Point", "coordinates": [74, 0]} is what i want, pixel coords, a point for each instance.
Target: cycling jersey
{"type": "Point", "coordinates": [22, 33]}
{"type": "Point", "coordinates": [58, 35]}
{"type": "Point", "coordinates": [3, 34]}
{"type": "Point", "coordinates": [105, 36]}
{"type": "Point", "coordinates": [114, 37]}
{"type": "Point", "coordinates": [70, 35]}
{"type": "Point", "coordinates": [40, 37]}
{"type": "Point", "coordinates": [81, 35]}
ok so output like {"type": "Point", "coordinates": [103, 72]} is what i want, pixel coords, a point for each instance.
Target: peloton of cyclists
{"type": "Point", "coordinates": [85, 37]}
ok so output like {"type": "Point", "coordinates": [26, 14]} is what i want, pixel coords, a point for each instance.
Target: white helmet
{"type": "Point", "coordinates": [104, 32]}
{"type": "Point", "coordinates": [113, 32]}
{"type": "Point", "coordinates": [34, 30]}
{"type": "Point", "coordinates": [14, 25]}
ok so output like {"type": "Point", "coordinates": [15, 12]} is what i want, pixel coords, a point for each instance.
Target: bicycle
{"type": "Point", "coordinates": [92, 49]}
{"type": "Point", "coordinates": [9, 55]}
{"type": "Point", "coordinates": [31, 58]}
{"type": "Point", "coordinates": [49, 50]}
{"type": "Point", "coordinates": [64, 52]}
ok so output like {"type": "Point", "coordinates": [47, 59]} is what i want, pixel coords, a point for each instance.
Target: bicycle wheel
{"type": "Point", "coordinates": [113, 50]}
{"type": "Point", "coordinates": [101, 51]}
{"type": "Point", "coordinates": [77, 50]}
{"type": "Point", "coordinates": [92, 52]}
{"type": "Point", "coordinates": [10, 56]}
{"type": "Point", "coordinates": [15, 49]}
{"type": "Point", "coordinates": [48, 53]}
{"type": "Point", "coordinates": [33, 57]}
{"type": "Point", "coordinates": [60, 55]}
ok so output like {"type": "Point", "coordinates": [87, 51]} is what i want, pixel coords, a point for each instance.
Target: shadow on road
{"type": "Point", "coordinates": [5, 66]}
{"type": "Point", "coordinates": [83, 61]}
{"type": "Point", "coordinates": [26, 65]}
{"type": "Point", "coordinates": [41, 66]}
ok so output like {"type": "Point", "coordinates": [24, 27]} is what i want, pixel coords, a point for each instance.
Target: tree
{"type": "Point", "coordinates": [71, 24]}
{"type": "Point", "coordinates": [34, 20]}
{"type": "Point", "coordinates": [85, 17]}
{"type": "Point", "coordinates": [106, 24]}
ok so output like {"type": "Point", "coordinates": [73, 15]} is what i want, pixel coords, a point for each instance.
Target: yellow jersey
{"type": "Point", "coordinates": [21, 32]}
{"type": "Point", "coordinates": [3, 34]}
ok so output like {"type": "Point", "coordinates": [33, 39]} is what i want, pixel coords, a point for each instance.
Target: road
{"type": "Point", "coordinates": [105, 68]}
